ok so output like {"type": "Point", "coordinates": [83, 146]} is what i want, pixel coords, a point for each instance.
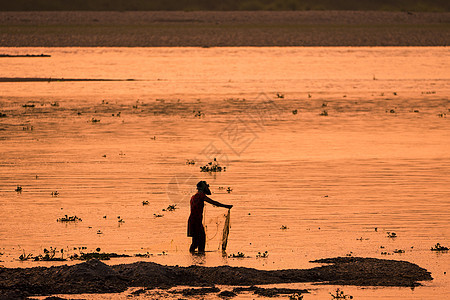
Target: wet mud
{"type": "Point", "coordinates": [96, 277]}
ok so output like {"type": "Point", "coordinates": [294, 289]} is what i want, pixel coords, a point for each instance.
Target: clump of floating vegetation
{"type": "Point", "coordinates": [49, 255]}
{"type": "Point", "coordinates": [324, 113]}
{"type": "Point", "coordinates": [67, 218]}
{"type": "Point", "coordinates": [145, 202]}
{"type": "Point", "coordinates": [296, 296]}
{"type": "Point", "coordinates": [264, 254]}
{"type": "Point", "coordinates": [439, 247]}
{"type": "Point", "coordinates": [145, 255]}
{"type": "Point", "coordinates": [237, 255]}
{"type": "Point", "coordinates": [399, 251]}
{"type": "Point", "coordinates": [97, 255]}
{"type": "Point", "coordinates": [213, 166]}
{"type": "Point", "coordinates": [190, 162]}
{"type": "Point", "coordinates": [198, 114]}
{"type": "Point", "coordinates": [339, 294]}
{"type": "Point", "coordinates": [391, 234]}
{"type": "Point", "coordinates": [171, 207]}
{"type": "Point", "coordinates": [28, 128]}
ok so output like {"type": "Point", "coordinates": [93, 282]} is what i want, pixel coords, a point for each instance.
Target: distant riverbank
{"type": "Point", "coordinates": [213, 29]}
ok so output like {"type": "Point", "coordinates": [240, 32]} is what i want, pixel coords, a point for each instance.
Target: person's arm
{"type": "Point", "coordinates": [215, 203]}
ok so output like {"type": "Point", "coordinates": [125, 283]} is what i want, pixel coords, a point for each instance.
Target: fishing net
{"type": "Point", "coordinates": [226, 231]}
{"type": "Point", "coordinates": [217, 228]}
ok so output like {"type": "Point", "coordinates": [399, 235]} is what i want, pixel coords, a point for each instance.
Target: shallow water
{"type": "Point", "coordinates": [330, 179]}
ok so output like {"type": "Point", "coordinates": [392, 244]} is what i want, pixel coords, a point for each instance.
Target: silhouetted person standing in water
{"type": "Point", "coordinates": [195, 222]}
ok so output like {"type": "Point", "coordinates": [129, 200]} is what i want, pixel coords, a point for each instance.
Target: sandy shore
{"type": "Point", "coordinates": [208, 29]}
{"type": "Point", "coordinates": [96, 277]}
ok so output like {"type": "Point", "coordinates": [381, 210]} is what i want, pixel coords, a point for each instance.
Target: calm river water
{"type": "Point", "coordinates": [355, 145]}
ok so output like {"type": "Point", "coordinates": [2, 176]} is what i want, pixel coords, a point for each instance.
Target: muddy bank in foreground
{"type": "Point", "coordinates": [96, 277]}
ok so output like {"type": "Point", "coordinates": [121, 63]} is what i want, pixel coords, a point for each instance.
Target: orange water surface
{"type": "Point", "coordinates": [378, 162]}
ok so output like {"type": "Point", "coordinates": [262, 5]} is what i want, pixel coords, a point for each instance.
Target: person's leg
{"type": "Point", "coordinates": [201, 240]}
{"type": "Point", "coordinates": [194, 244]}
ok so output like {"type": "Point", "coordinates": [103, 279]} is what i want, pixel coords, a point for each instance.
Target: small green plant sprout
{"type": "Point", "coordinates": [280, 96]}
{"type": "Point", "coordinates": [213, 166]}
{"type": "Point", "coordinates": [264, 254]}
{"type": "Point", "coordinates": [340, 295]}
{"type": "Point", "coordinates": [283, 227]}
{"type": "Point", "coordinates": [439, 247]}
{"type": "Point", "coordinates": [391, 235]}
{"type": "Point", "coordinates": [237, 255]}
{"type": "Point", "coordinates": [295, 111]}
{"type": "Point", "coordinates": [229, 190]}
{"type": "Point", "coordinates": [190, 162]}
{"type": "Point", "coordinates": [158, 215]}
{"type": "Point", "coordinates": [324, 113]}
{"type": "Point", "coordinates": [296, 296]}
{"type": "Point", "coordinates": [67, 218]}
{"type": "Point", "coordinates": [94, 120]}
{"type": "Point", "coordinates": [399, 251]}
{"type": "Point", "coordinates": [18, 189]}
{"type": "Point", "coordinates": [145, 202]}
{"type": "Point", "coordinates": [55, 194]}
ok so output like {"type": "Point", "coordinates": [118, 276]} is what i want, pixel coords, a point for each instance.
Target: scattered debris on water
{"type": "Point", "coordinates": [67, 218]}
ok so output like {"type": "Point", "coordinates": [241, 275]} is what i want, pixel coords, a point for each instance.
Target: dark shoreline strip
{"type": "Point", "coordinates": [96, 277]}
{"type": "Point", "coordinates": [25, 55]}
{"type": "Point", "coordinates": [36, 79]}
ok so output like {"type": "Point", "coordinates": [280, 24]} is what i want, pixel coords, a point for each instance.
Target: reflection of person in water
{"type": "Point", "coordinates": [195, 222]}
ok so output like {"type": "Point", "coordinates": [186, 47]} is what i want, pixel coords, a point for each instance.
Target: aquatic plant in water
{"type": "Point", "coordinates": [296, 297]}
{"type": "Point", "coordinates": [67, 218]}
{"type": "Point", "coordinates": [237, 255]}
{"type": "Point", "coordinates": [171, 207]}
{"type": "Point", "coordinates": [264, 254]}
{"type": "Point", "coordinates": [340, 295]}
{"type": "Point", "coordinates": [391, 234]}
{"type": "Point", "coordinates": [213, 166]}
{"type": "Point", "coordinates": [439, 247]}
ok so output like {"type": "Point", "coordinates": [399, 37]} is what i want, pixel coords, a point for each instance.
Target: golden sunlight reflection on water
{"type": "Point", "coordinates": [379, 159]}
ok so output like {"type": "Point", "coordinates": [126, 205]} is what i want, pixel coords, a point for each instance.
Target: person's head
{"type": "Point", "coordinates": [202, 186]}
